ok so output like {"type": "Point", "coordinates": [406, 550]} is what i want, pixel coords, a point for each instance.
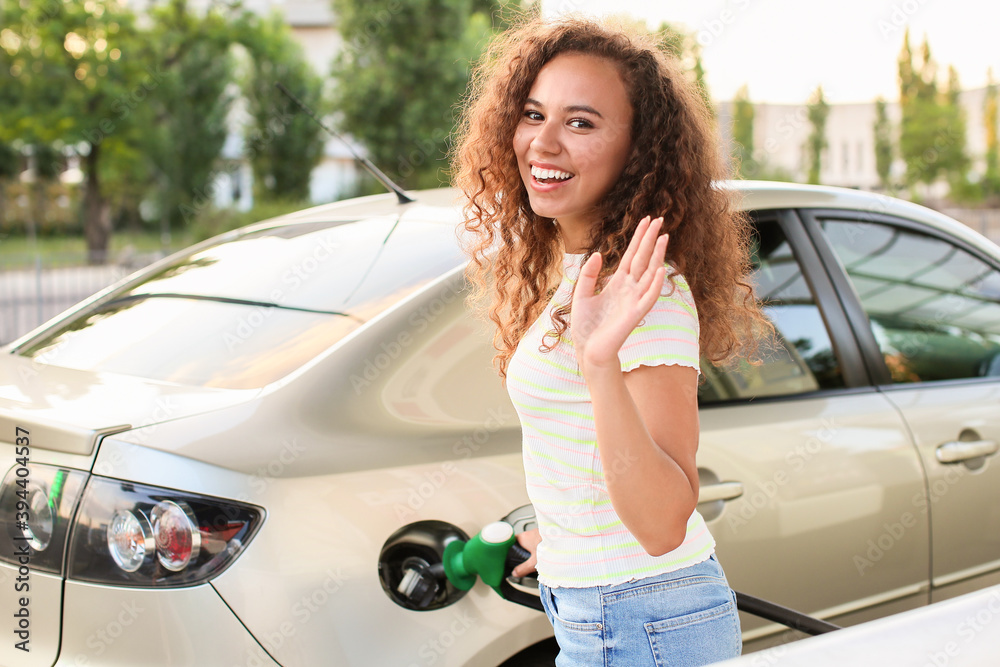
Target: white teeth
{"type": "Point", "coordinates": [550, 173]}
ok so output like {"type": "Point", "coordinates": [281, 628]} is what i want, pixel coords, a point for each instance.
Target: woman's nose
{"type": "Point", "coordinates": [546, 138]}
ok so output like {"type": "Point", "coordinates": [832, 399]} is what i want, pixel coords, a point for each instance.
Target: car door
{"type": "Point", "coordinates": [928, 308]}
{"type": "Point", "coordinates": [808, 473]}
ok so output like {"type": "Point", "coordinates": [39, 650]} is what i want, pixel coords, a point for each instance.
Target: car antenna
{"type": "Point", "coordinates": [365, 162]}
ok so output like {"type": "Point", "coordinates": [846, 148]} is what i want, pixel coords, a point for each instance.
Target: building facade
{"type": "Point", "coordinates": [781, 132]}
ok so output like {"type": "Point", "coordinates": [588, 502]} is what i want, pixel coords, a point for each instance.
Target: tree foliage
{"type": "Point", "coordinates": [685, 47]}
{"type": "Point", "coordinates": [818, 110]}
{"type": "Point", "coordinates": [743, 122]}
{"type": "Point", "coordinates": [932, 129]}
{"type": "Point", "coordinates": [991, 123]}
{"type": "Point", "coordinates": [146, 106]}
{"type": "Point", "coordinates": [192, 51]}
{"type": "Point", "coordinates": [884, 145]}
{"type": "Point", "coordinates": [953, 156]}
{"type": "Point", "coordinates": [284, 144]}
{"type": "Point", "coordinates": [10, 166]}
{"type": "Point", "coordinates": [75, 66]}
{"type": "Point", "coordinates": [402, 69]}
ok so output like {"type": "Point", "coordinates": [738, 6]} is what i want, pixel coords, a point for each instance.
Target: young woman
{"type": "Point", "coordinates": [609, 262]}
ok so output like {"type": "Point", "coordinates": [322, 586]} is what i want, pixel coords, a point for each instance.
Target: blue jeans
{"type": "Point", "coordinates": [684, 617]}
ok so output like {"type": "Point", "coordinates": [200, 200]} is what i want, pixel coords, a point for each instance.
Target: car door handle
{"type": "Point", "coordinates": [720, 491]}
{"type": "Point", "coordinates": [957, 451]}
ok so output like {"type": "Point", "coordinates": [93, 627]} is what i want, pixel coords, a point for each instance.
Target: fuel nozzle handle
{"type": "Point", "coordinates": [484, 555]}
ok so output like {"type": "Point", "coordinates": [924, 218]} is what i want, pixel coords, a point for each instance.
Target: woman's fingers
{"type": "Point", "coordinates": [644, 253]}
{"type": "Point", "coordinates": [529, 540]}
{"type": "Point", "coordinates": [656, 262]}
{"type": "Point", "coordinates": [586, 283]}
{"type": "Point", "coordinates": [527, 567]}
{"type": "Point", "coordinates": [633, 244]}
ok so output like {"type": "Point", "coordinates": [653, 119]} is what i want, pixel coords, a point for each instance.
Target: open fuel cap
{"type": "Point", "coordinates": [410, 565]}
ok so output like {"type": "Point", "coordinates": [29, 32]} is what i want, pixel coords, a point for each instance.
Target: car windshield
{"type": "Point", "coordinates": [248, 310]}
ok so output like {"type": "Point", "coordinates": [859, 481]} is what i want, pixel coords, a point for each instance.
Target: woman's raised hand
{"type": "Point", "coordinates": [600, 323]}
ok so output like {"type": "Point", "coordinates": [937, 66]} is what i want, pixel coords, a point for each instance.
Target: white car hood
{"type": "Point", "coordinates": [68, 410]}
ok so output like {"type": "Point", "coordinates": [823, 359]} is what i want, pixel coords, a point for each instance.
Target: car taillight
{"type": "Point", "coordinates": [36, 509]}
{"type": "Point", "coordinates": [130, 539]}
{"type": "Point", "coordinates": [176, 533]}
{"type": "Point", "coordinates": [136, 535]}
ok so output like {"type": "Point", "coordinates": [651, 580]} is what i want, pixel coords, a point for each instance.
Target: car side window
{"type": "Point", "coordinates": [934, 308]}
{"type": "Point", "coordinates": [801, 357]}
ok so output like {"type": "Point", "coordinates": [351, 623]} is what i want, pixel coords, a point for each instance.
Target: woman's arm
{"type": "Point", "coordinates": [647, 418]}
{"type": "Point", "coordinates": [647, 433]}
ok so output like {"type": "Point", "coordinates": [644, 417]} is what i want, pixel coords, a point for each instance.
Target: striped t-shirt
{"type": "Point", "coordinates": [584, 543]}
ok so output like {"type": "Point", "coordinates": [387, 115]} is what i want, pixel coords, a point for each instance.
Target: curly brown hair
{"type": "Point", "coordinates": [672, 170]}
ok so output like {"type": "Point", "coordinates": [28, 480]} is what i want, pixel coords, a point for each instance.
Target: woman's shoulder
{"type": "Point", "coordinates": [674, 282]}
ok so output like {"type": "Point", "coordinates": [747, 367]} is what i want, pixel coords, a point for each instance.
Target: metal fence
{"type": "Point", "coordinates": [34, 289]}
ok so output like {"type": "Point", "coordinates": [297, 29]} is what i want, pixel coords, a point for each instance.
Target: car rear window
{"type": "Point", "coordinates": [248, 310]}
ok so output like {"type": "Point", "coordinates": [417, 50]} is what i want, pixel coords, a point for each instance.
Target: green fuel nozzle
{"type": "Point", "coordinates": [485, 555]}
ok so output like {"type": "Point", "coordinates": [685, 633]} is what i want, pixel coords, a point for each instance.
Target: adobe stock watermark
{"type": "Point", "coordinates": [300, 613]}
{"type": "Point", "coordinates": [374, 26]}
{"type": "Point", "coordinates": [795, 462]}
{"type": "Point", "coordinates": [124, 105]}
{"type": "Point", "coordinates": [43, 14]}
{"type": "Point", "coordinates": [410, 501]}
{"type": "Point", "coordinates": [893, 532]}
{"type": "Point", "coordinates": [325, 248]}
{"type": "Point", "coordinates": [435, 648]}
{"type": "Point", "coordinates": [103, 638]}
{"type": "Point", "coordinates": [786, 128]}
{"type": "Point", "coordinates": [304, 609]}
{"type": "Point", "coordinates": [899, 17]}
{"type": "Point", "coordinates": [391, 350]}
{"type": "Point", "coordinates": [258, 482]}
{"type": "Point", "coordinates": [713, 28]}
{"type": "Point", "coordinates": [30, 368]}
{"type": "Point", "coordinates": [972, 626]}
{"type": "Point", "coordinates": [773, 654]}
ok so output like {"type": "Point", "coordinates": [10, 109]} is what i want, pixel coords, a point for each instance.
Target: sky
{"type": "Point", "coordinates": [784, 49]}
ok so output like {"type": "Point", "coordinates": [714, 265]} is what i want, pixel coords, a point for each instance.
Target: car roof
{"type": "Point", "coordinates": [750, 195]}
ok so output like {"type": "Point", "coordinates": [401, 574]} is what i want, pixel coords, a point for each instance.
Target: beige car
{"type": "Point", "coordinates": [206, 462]}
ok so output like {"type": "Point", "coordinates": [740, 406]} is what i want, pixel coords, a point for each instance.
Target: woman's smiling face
{"type": "Point", "coordinates": [573, 138]}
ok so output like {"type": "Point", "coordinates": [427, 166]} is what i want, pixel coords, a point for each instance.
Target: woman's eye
{"type": "Point", "coordinates": [580, 123]}
{"type": "Point", "coordinates": [532, 115]}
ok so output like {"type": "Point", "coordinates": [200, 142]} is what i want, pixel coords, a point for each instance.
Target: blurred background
{"type": "Point", "coordinates": [133, 128]}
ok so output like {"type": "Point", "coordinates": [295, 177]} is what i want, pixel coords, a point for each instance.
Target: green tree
{"type": "Point", "coordinates": [884, 149]}
{"type": "Point", "coordinates": [818, 110]}
{"type": "Point", "coordinates": [10, 167]}
{"type": "Point", "coordinates": [991, 178]}
{"type": "Point", "coordinates": [284, 145]}
{"type": "Point", "coordinates": [932, 127]}
{"type": "Point", "coordinates": [907, 77]}
{"type": "Point", "coordinates": [46, 165]}
{"type": "Point", "coordinates": [74, 64]}
{"type": "Point", "coordinates": [192, 50]}
{"type": "Point", "coordinates": [10, 157]}
{"type": "Point", "coordinates": [402, 68]}
{"type": "Point", "coordinates": [10, 103]}
{"type": "Point", "coordinates": [685, 47]}
{"type": "Point", "coordinates": [699, 77]}
{"type": "Point", "coordinates": [952, 155]}
{"type": "Point", "coordinates": [743, 118]}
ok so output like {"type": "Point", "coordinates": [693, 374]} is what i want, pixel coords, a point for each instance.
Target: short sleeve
{"type": "Point", "coordinates": [668, 334]}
